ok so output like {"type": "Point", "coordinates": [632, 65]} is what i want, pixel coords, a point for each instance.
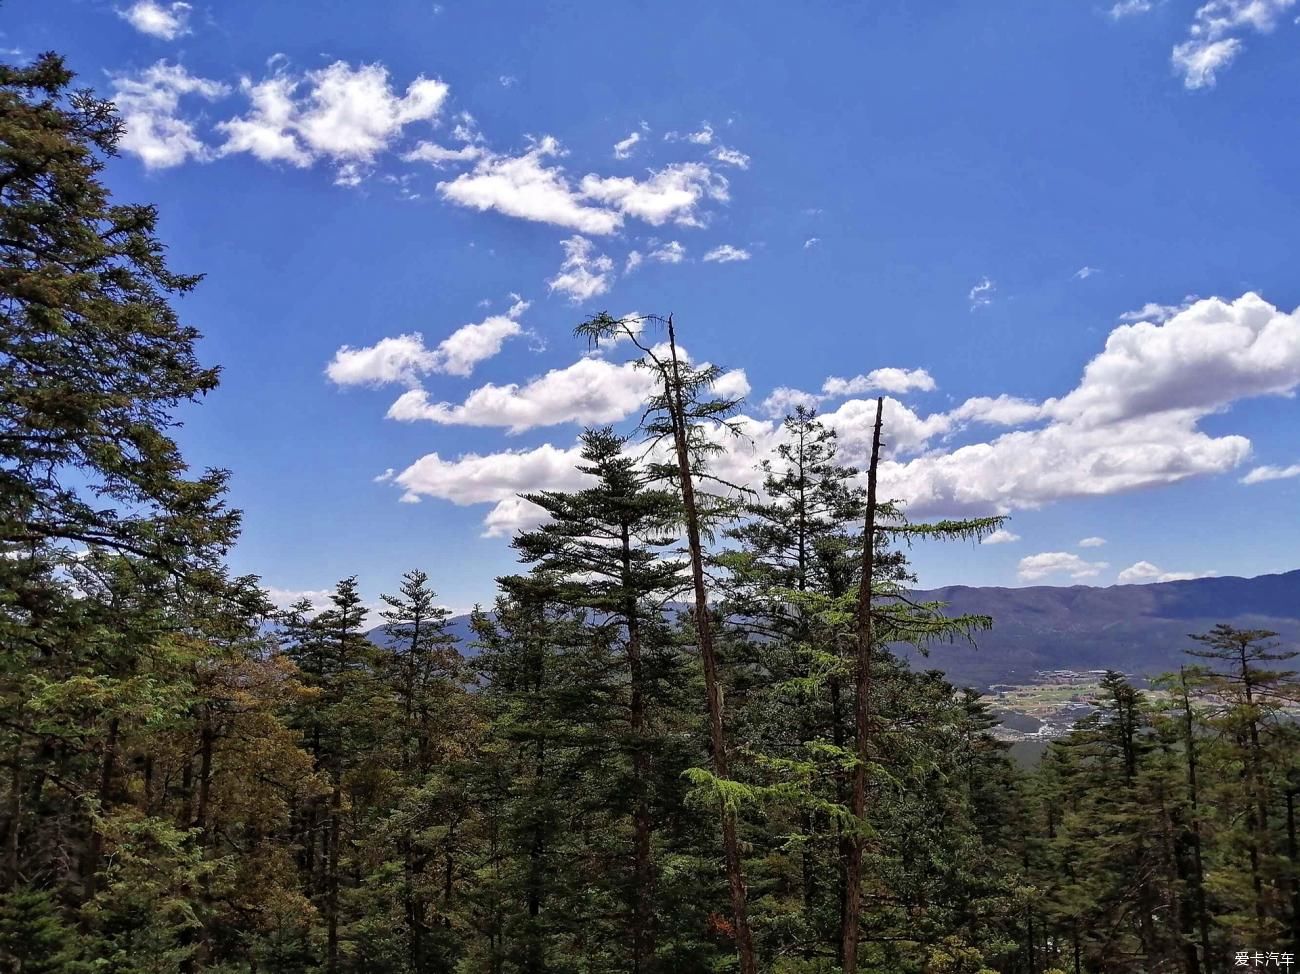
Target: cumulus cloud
{"type": "Point", "coordinates": [880, 380]}
{"type": "Point", "coordinates": [673, 193]}
{"type": "Point", "coordinates": [1001, 536]}
{"type": "Point", "coordinates": [1131, 422]}
{"type": "Point", "coordinates": [524, 186]}
{"type": "Point", "coordinates": [981, 295]}
{"type": "Point", "coordinates": [1085, 272]}
{"type": "Point", "coordinates": [496, 479]}
{"type": "Point", "coordinates": [344, 114]}
{"type": "Point", "coordinates": [1033, 568]}
{"type": "Point", "coordinates": [1001, 410]}
{"type": "Point", "coordinates": [1266, 473]}
{"type": "Point", "coordinates": [590, 391]}
{"type": "Point", "coordinates": [584, 273]}
{"type": "Point", "coordinates": [732, 385]}
{"type": "Point", "coordinates": [149, 103]}
{"type": "Point", "coordinates": [405, 358]}
{"type": "Point", "coordinates": [1143, 573]}
{"type": "Point", "coordinates": [782, 401]}
{"type": "Point", "coordinates": [1029, 468]}
{"type": "Point", "coordinates": [1214, 38]}
{"type": "Point", "coordinates": [1201, 359]}
{"type": "Point", "coordinates": [166, 22]}
{"type": "Point", "coordinates": [1093, 542]}
{"type": "Point", "coordinates": [727, 254]}
{"type": "Point", "coordinates": [529, 187]}
{"type": "Point", "coordinates": [811, 242]}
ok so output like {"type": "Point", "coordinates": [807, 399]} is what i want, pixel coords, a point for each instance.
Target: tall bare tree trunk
{"type": "Point", "coordinates": [712, 688]}
{"type": "Point", "coordinates": [861, 715]}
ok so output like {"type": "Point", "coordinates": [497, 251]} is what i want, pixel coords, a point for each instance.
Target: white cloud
{"type": "Point", "coordinates": [282, 598]}
{"type": "Point", "coordinates": [525, 187]}
{"type": "Point", "coordinates": [623, 148]}
{"type": "Point", "coordinates": [811, 242]}
{"type": "Point", "coordinates": [1001, 536]}
{"type": "Point", "coordinates": [1002, 410]}
{"type": "Point", "coordinates": [405, 359]}
{"type": "Point", "coordinates": [584, 274]}
{"type": "Point", "coordinates": [908, 431]}
{"type": "Point", "coordinates": [340, 113]}
{"type": "Point", "coordinates": [1151, 311]}
{"type": "Point", "coordinates": [634, 260]}
{"type": "Point", "coordinates": [590, 391]}
{"type": "Point", "coordinates": [704, 136]}
{"type": "Point", "coordinates": [880, 380]}
{"type": "Point", "coordinates": [149, 103]}
{"type": "Point", "coordinates": [672, 193]}
{"type": "Point", "coordinates": [981, 295]}
{"type": "Point", "coordinates": [1093, 542]}
{"type": "Point", "coordinates": [782, 401]}
{"type": "Point", "coordinates": [1085, 272]}
{"type": "Point", "coordinates": [1029, 468]}
{"type": "Point", "coordinates": [464, 348]}
{"type": "Point", "coordinates": [166, 22]}
{"type": "Point", "coordinates": [731, 157]}
{"type": "Point", "coordinates": [1266, 473]}
{"type": "Point", "coordinates": [732, 385]}
{"type": "Point", "coordinates": [1144, 572]}
{"type": "Point", "coordinates": [726, 254]}
{"type": "Point", "coordinates": [1130, 423]}
{"type": "Point", "coordinates": [1214, 38]}
{"type": "Point", "coordinates": [1128, 8]}
{"type": "Point", "coordinates": [496, 479]}
{"type": "Point", "coordinates": [508, 80]}
{"type": "Point", "coordinates": [1201, 359]}
{"type": "Point", "coordinates": [670, 253]}
{"type": "Point", "coordinates": [1200, 62]}
{"type": "Point", "coordinates": [437, 155]}
{"type": "Point", "coordinates": [402, 359]}
{"type": "Point", "coordinates": [1035, 567]}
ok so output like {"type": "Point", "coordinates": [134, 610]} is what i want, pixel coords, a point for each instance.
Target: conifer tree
{"type": "Point", "coordinates": [680, 414]}
{"type": "Point", "coordinates": [602, 550]}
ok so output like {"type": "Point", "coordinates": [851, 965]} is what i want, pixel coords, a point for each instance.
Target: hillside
{"type": "Point", "coordinates": [1140, 629]}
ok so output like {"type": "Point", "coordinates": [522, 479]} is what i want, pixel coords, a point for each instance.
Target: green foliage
{"type": "Point", "coordinates": [191, 782]}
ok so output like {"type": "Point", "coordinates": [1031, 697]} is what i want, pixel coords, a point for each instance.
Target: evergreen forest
{"type": "Point", "coordinates": [680, 739]}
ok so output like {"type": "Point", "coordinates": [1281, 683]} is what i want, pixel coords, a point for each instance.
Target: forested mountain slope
{"type": "Point", "coordinates": [1138, 629]}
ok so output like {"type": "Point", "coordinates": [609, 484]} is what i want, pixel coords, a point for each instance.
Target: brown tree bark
{"type": "Point", "coordinates": [712, 688]}
{"type": "Point", "coordinates": [861, 715]}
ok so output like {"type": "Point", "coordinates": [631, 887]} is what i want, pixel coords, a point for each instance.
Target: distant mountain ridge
{"type": "Point", "coordinates": [1139, 629]}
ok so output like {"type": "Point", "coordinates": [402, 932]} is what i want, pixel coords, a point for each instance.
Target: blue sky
{"type": "Point", "coordinates": [1000, 215]}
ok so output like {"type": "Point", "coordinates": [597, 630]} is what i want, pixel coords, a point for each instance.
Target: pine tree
{"type": "Point", "coordinates": [602, 550]}
{"type": "Point", "coordinates": [680, 414]}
